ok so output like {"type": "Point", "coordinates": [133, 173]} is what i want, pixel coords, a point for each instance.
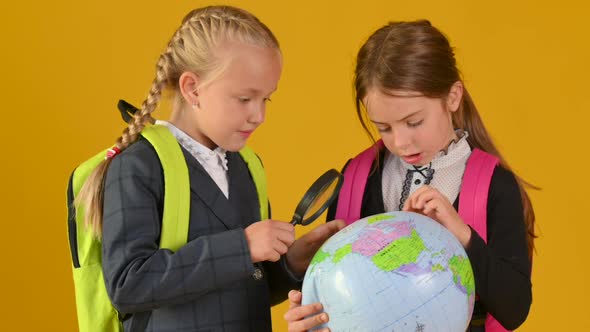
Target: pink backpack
{"type": "Point", "coordinates": [472, 201]}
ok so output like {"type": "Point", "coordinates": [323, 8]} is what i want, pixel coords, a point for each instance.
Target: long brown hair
{"type": "Point", "coordinates": [415, 56]}
{"type": "Point", "coordinates": [191, 48]}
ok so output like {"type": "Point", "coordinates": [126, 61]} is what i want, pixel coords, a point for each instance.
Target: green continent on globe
{"type": "Point", "coordinates": [400, 252]}
{"type": "Point", "coordinates": [378, 218]}
{"type": "Point", "coordinates": [319, 257]}
{"type": "Point", "coordinates": [341, 253]}
{"type": "Point", "coordinates": [462, 270]}
{"type": "Point", "coordinates": [438, 253]}
{"type": "Point", "coordinates": [437, 267]}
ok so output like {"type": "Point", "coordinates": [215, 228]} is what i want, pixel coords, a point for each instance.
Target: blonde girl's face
{"type": "Point", "coordinates": [232, 106]}
{"type": "Point", "coordinates": [412, 126]}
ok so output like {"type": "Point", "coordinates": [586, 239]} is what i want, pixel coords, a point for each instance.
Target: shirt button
{"type": "Point", "coordinates": [417, 182]}
{"type": "Point", "coordinates": [257, 274]}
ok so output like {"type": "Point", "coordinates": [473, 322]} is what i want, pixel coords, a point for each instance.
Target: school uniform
{"type": "Point", "coordinates": [210, 284]}
{"type": "Point", "coordinates": [502, 269]}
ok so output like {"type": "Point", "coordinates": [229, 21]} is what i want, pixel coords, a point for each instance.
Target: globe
{"type": "Point", "coordinates": [398, 271]}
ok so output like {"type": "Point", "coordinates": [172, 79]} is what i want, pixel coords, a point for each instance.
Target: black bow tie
{"type": "Point", "coordinates": [427, 172]}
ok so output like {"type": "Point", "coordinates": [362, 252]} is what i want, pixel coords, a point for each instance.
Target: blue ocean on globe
{"type": "Point", "coordinates": [397, 271]}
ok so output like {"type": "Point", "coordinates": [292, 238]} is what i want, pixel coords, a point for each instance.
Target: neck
{"type": "Point", "coordinates": [184, 119]}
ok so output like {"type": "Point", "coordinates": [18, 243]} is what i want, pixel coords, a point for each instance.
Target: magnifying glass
{"type": "Point", "coordinates": [317, 198]}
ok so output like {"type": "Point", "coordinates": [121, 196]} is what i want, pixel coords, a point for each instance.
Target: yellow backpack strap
{"type": "Point", "coordinates": [175, 220]}
{"type": "Point", "coordinates": [259, 177]}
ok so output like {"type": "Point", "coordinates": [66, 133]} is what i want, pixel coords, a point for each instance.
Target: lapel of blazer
{"type": "Point", "coordinates": [203, 186]}
{"type": "Point", "coordinates": [242, 191]}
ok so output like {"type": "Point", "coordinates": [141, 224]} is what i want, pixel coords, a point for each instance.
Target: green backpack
{"type": "Point", "coordinates": [95, 311]}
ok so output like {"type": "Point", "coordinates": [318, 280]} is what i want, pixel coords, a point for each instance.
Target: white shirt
{"type": "Point", "coordinates": [445, 173]}
{"type": "Point", "coordinates": [213, 161]}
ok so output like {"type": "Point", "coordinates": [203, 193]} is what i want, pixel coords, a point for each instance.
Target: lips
{"type": "Point", "coordinates": [246, 133]}
{"type": "Point", "coordinates": [412, 158]}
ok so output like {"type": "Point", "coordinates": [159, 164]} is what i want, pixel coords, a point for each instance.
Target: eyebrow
{"type": "Point", "coordinates": [256, 91]}
{"type": "Point", "coordinates": [400, 120]}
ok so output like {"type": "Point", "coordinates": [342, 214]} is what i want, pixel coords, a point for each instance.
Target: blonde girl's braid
{"type": "Point", "coordinates": [91, 195]}
{"type": "Point", "coordinates": [191, 48]}
{"type": "Point", "coordinates": [144, 116]}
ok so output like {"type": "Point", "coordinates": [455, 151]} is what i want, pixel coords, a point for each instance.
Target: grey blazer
{"type": "Point", "coordinates": [209, 284]}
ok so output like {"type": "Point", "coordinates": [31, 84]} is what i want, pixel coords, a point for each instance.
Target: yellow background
{"type": "Point", "coordinates": [66, 63]}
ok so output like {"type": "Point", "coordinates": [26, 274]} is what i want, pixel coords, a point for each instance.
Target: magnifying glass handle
{"type": "Point", "coordinates": [294, 221]}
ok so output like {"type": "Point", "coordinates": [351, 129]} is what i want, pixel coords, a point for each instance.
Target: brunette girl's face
{"type": "Point", "coordinates": [413, 126]}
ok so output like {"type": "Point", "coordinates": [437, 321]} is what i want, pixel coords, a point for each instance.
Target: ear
{"type": "Point", "coordinates": [455, 96]}
{"type": "Point", "coordinates": [188, 83]}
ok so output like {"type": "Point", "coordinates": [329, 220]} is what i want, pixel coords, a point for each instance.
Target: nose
{"type": "Point", "coordinates": [401, 139]}
{"type": "Point", "coordinates": [257, 114]}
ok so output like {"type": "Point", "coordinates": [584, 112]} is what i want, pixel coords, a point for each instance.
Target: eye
{"type": "Point", "coordinates": [244, 99]}
{"type": "Point", "coordinates": [383, 129]}
{"type": "Point", "coordinates": [414, 124]}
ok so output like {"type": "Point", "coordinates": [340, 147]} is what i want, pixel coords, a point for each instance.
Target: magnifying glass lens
{"type": "Point", "coordinates": [320, 201]}
{"type": "Point", "coordinates": [317, 198]}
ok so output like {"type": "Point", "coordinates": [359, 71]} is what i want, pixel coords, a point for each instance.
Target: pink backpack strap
{"type": "Point", "coordinates": [473, 203]}
{"type": "Point", "coordinates": [473, 200]}
{"type": "Point", "coordinates": [356, 174]}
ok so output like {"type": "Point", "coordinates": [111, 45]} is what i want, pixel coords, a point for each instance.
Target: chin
{"type": "Point", "coordinates": [235, 147]}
